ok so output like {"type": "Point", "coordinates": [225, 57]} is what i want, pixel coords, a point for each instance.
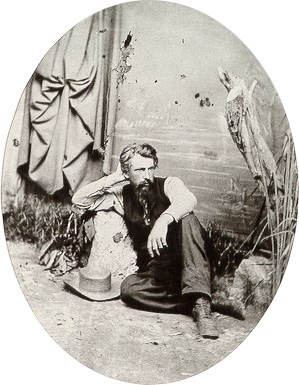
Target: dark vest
{"type": "Point", "coordinates": [139, 230]}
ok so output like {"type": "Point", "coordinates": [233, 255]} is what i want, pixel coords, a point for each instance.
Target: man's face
{"type": "Point", "coordinates": [141, 171]}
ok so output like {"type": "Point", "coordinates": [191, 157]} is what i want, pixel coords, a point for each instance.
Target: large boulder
{"type": "Point", "coordinates": [250, 286]}
{"type": "Point", "coordinates": [252, 283]}
{"type": "Point", "coordinates": [112, 246]}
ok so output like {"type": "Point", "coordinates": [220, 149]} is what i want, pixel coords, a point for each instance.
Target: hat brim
{"type": "Point", "coordinates": [112, 294]}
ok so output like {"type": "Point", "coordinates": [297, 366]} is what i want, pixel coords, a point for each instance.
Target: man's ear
{"type": "Point", "coordinates": [126, 175]}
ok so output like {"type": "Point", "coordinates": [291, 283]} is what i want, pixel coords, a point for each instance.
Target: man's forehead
{"type": "Point", "coordinates": [140, 161]}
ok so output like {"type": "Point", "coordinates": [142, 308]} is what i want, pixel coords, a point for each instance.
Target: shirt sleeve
{"type": "Point", "coordinates": [182, 201]}
{"type": "Point", "coordinates": [102, 194]}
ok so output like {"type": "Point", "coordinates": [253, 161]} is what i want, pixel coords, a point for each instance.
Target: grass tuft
{"type": "Point", "coordinates": [35, 220]}
{"type": "Point", "coordinates": [227, 250]}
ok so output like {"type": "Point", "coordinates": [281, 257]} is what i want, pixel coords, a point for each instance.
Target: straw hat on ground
{"type": "Point", "coordinates": [94, 284]}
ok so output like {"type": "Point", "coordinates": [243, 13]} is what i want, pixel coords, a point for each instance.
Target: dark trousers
{"type": "Point", "coordinates": [162, 289]}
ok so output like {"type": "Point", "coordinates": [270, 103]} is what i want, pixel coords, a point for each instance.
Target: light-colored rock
{"type": "Point", "coordinates": [112, 246]}
{"type": "Point", "coordinates": [252, 283]}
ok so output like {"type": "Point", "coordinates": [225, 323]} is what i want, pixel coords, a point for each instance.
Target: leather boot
{"type": "Point", "coordinates": [203, 318]}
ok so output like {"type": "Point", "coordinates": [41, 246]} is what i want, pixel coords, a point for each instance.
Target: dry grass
{"type": "Point", "coordinates": [35, 220]}
{"type": "Point", "coordinates": [282, 210]}
{"type": "Point", "coordinates": [227, 250]}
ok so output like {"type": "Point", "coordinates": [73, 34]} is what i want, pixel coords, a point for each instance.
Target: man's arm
{"type": "Point", "coordinates": [102, 194]}
{"type": "Point", "coordinates": [182, 202]}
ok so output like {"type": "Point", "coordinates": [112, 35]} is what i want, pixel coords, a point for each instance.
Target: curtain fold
{"type": "Point", "coordinates": [72, 106]}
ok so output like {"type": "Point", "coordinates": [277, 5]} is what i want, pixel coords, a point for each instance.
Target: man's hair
{"type": "Point", "coordinates": [145, 150]}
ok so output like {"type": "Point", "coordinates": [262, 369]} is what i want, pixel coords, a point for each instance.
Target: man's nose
{"type": "Point", "coordinates": [146, 174]}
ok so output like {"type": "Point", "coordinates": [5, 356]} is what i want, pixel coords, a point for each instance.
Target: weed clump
{"type": "Point", "coordinates": [35, 219]}
{"type": "Point", "coordinates": [227, 250]}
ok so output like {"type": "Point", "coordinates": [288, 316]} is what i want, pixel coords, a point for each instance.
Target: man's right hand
{"type": "Point", "coordinates": [157, 237]}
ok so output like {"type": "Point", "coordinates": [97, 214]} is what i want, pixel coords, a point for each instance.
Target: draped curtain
{"type": "Point", "coordinates": [70, 103]}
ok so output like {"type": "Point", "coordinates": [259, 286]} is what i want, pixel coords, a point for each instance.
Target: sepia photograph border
{"type": "Point", "coordinates": [31, 356]}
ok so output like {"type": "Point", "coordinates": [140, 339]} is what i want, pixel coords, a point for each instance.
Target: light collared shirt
{"type": "Point", "coordinates": [106, 194]}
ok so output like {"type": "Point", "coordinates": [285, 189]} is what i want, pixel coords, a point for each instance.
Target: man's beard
{"type": "Point", "coordinates": [145, 195]}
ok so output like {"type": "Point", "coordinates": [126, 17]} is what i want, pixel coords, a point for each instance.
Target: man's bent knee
{"type": "Point", "coordinates": [127, 292]}
{"type": "Point", "coordinates": [191, 222]}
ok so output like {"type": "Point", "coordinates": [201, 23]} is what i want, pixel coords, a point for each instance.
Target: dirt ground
{"type": "Point", "coordinates": [117, 341]}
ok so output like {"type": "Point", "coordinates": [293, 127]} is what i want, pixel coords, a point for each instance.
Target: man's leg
{"type": "Point", "coordinates": [143, 292]}
{"type": "Point", "coordinates": [196, 274]}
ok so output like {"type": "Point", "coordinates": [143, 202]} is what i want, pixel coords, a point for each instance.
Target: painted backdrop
{"type": "Point", "coordinates": [163, 89]}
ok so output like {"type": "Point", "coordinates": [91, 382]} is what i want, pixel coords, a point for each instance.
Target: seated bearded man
{"type": "Point", "coordinates": [172, 258]}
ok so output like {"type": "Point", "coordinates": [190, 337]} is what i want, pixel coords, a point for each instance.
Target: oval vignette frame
{"type": "Point", "coordinates": [210, 372]}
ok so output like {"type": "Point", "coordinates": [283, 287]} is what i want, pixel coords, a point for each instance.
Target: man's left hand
{"type": "Point", "coordinates": [157, 237]}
